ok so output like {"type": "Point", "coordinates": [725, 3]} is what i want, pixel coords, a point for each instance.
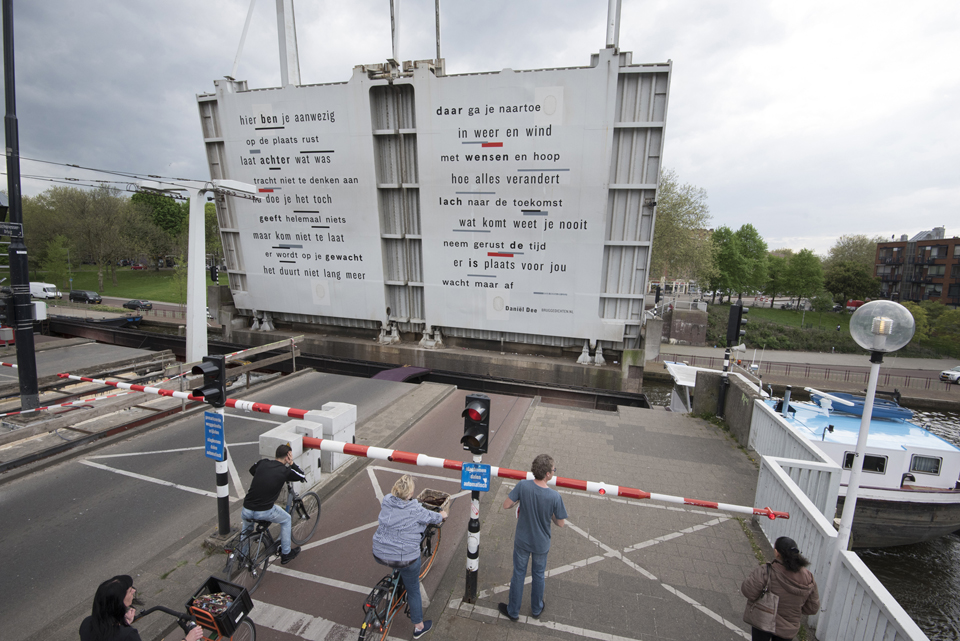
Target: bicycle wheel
{"type": "Point", "coordinates": [248, 563]}
{"type": "Point", "coordinates": [429, 545]}
{"type": "Point", "coordinates": [376, 622]}
{"type": "Point", "coordinates": [246, 631]}
{"type": "Point", "coordinates": [306, 516]}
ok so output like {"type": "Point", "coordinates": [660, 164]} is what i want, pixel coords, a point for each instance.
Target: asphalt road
{"type": "Point", "coordinates": [71, 358]}
{"type": "Point", "coordinates": [67, 527]}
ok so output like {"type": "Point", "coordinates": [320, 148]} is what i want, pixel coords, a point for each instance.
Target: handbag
{"type": "Point", "coordinates": [762, 613]}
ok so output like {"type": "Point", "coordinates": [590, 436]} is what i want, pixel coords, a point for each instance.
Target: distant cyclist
{"type": "Point", "coordinates": [269, 478]}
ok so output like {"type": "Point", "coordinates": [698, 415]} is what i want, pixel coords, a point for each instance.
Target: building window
{"type": "Point", "coordinates": [936, 270]}
{"type": "Point", "coordinates": [925, 464]}
{"type": "Point", "coordinates": [954, 291]}
{"type": "Point", "coordinates": [871, 463]}
{"type": "Point", "coordinates": [956, 251]}
{"type": "Point", "coordinates": [955, 270]}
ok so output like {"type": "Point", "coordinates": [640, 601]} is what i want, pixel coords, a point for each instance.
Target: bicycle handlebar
{"type": "Point", "coordinates": [184, 620]}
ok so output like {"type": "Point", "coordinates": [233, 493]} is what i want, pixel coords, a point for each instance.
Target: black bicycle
{"type": "Point", "coordinates": [250, 552]}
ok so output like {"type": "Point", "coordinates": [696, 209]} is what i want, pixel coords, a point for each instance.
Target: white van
{"type": "Point", "coordinates": [44, 290]}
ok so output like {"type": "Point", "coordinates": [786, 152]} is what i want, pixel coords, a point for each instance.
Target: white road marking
{"type": "Point", "coordinates": [337, 537]}
{"type": "Point", "coordinates": [153, 480]}
{"type": "Point", "coordinates": [322, 580]}
{"type": "Point", "coordinates": [179, 449]}
{"type": "Point", "coordinates": [300, 625]}
{"type": "Point", "coordinates": [549, 625]}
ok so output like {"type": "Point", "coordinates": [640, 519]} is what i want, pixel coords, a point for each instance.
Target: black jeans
{"type": "Point", "coordinates": [760, 635]}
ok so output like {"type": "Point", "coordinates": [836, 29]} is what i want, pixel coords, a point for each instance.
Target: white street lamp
{"type": "Point", "coordinates": [879, 326]}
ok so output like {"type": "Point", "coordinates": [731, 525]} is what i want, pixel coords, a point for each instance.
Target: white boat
{"type": "Point", "coordinates": [909, 490]}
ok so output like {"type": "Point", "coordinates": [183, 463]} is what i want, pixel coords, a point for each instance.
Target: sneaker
{"type": "Point", "coordinates": [422, 631]}
{"type": "Point", "coordinates": [503, 610]}
{"type": "Point", "coordinates": [286, 558]}
{"type": "Point", "coordinates": [537, 615]}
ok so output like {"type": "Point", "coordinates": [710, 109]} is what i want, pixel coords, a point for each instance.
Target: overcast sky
{"type": "Point", "coordinates": [808, 120]}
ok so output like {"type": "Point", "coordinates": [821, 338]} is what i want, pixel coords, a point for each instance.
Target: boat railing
{"type": "Point", "coordinates": [796, 476]}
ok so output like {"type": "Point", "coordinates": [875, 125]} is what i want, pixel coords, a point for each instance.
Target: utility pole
{"type": "Point", "coordinates": [19, 271]}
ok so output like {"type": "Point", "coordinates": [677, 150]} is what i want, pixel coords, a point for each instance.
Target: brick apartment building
{"type": "Point", "coordinates": [925, 267]}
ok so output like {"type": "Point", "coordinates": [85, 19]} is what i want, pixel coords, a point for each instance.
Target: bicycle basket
{"type": "Point", "coordinates": [222, 614]}
{"type": "Point", "coordinates": [434, 500]}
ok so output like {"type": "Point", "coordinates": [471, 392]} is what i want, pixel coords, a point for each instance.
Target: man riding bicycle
{"type": "Point", "coordinates": [269, 477]}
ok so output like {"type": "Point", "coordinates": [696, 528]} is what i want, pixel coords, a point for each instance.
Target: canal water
{"type": "Point", "coordinates": [924, 578]}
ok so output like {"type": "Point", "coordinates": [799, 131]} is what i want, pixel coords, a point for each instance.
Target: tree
{"type": "Point", "coordinates": [168, 214]}
{"type": "Point", "coordinates": [934, 309]}
{"type": "Point", "coordinates": [805, 275]}
{"type": "Point", "coordinates": [857, 248]}
{"type": "Point", "coordinates": [921, 331]}
{"type": "Point", "coordinates": [212, 233]}
{"type": "Point", "coordinates": [682, 246]}
{"type": "Point", "coordinates": [948, 325]}
{"type": "Point", "coordinates": [850, 280]}
{"type": "Point", "coordinates": [777, 271]}
{"type": "Point", "coordinates": [55, 264]}
{"type": "Point", "coordinates": [754, 250]}
{"type": "Point", "coordinates": [731, 266]}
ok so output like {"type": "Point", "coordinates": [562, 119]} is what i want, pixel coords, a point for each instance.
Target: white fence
{"type": "Point", "coordinates": [796, 476]}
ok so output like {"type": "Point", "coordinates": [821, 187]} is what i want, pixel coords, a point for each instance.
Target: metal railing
{"type": "Point", "coordinates": [837, 374]}
{"type": "Point", "coordinates": [857, 606]}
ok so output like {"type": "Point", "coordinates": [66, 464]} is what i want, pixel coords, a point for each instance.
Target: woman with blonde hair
{"type": "Point", "coordinates": [396, 543]}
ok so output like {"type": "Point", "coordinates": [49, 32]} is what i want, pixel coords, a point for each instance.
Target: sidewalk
{"type": "Point", "coordinates": [620, 569]}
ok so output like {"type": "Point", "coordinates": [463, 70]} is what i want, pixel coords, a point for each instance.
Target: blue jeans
{"type": "Point", "coordinates": [538, 567]}
{"type": "Point", "coordinates": [276, 515]}
{"type": "Point", "coordinates": [411, 581]}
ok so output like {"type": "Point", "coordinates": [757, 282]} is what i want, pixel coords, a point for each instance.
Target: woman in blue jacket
{"type": "Point", "coordinates": [396, 543]}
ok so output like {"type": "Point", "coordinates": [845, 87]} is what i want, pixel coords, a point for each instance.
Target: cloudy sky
{"type": "Point", "coordinates": [806, 119]}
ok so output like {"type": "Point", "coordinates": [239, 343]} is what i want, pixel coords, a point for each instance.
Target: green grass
{"type": "Point", "coordinates": [780, 329]}
{"type": "Point", "coordinates": [144, 283]}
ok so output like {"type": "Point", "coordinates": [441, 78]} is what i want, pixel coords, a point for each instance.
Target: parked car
{"type": "Point", "coordinates": [44, 290]}
{"type": "Point", "coordinates": [138, 304]}
{"type": "Point", "coordinates": [138, 267]}
{"type": "Point", "coordinates": [852, 305]}
{"type": "Point", "coordinates": [85, 296]}
{"type": "Point", "coordinates": [951, 375]}
{"type": "Point", "coordinates": [838, 307]}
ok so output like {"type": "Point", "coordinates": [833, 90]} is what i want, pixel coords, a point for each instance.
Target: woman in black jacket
{"type": "Point", "coordinates": [113, 612]}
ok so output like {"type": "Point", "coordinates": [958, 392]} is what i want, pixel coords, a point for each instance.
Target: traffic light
{"type": "Point", "coordinates": [736, 321]}
{"type": "Point", "coordinates": [214, 273]}
{"type": "Point", "coordinates": [656, 301]}
{"type": "Point", "coordinates": [214, 389]}
{"type": "Point", "coordinates": [476, 423]}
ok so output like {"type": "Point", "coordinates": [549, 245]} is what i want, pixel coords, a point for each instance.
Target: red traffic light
{"type": "Point", "coordinates": [475, 412]}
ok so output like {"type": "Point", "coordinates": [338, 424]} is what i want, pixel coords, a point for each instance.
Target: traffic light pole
{"type": "Point", "coordinates": [724, 383]}
{"type": "Point", "coordinates": [19, 271]}
{"type": "Point", "coordinates": [223, 483]}
{"type": "Point", "coordinates": [473, 544]}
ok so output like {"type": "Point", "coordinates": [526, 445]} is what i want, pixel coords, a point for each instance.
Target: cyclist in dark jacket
{"type": "Point", "coordinates": [269, 477]}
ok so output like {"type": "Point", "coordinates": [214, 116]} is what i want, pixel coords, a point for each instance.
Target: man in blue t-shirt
{"type": "Point", "coordinates": [539, 506]}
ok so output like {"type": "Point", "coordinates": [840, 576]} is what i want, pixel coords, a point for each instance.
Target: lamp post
{"type": "Point", "coordinates": [879, 326]}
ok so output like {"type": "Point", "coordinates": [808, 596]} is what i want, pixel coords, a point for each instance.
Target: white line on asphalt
{"type": "Point", "coordinates": [234, 474]}
{"type": "Point", "coordinates": [300, 625]}
{"type": "Point", "coordinates": [253, 418]}
{"type": "Point", "coordinates": [152, 480]}
{"type": "Point", "coordinates": [322, 580]}
{"type": "Point", "coordinates": [674, 535]}
{"type": "Point", "coordinates": [376, 484]}
{"type": "Point", "coordinates": [337, 537]}
{"type": "Point", "coordinates": [549, 625]}
{"type": "Point", "coordinates": [672, 590]}
{"type": "Point", "coordinates": [173, 451]}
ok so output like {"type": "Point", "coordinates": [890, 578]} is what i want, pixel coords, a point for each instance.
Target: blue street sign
{"type": "Point", "coordinates": [475, 476]}
{"type": "Point", "coordinates": [213, 435]}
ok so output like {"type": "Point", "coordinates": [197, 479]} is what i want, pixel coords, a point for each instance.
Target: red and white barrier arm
{"type": "Point", "coordinates": [246, 406]}
{"type": "Point", "coordinates": [592, 487]}
{"type": "Point", "coordinates": [13, 365]}
{"type": "Point", "coordinates": [52, 407]}
{"type": "Point", "coordinates": [423, 460]}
